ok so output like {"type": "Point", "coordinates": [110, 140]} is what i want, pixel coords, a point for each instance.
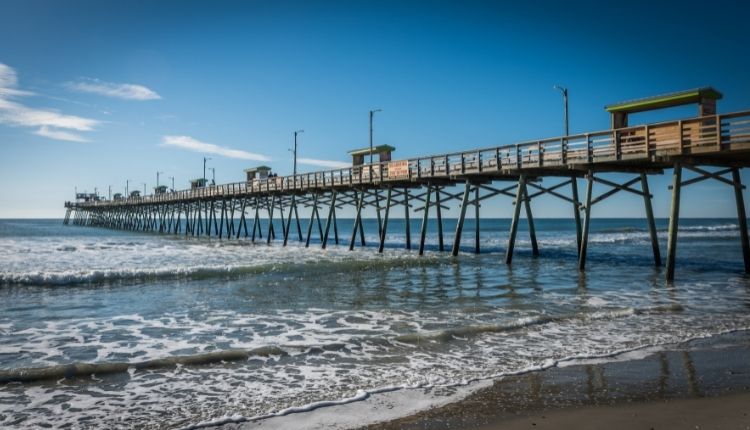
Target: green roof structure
{"type": "Point", "coordinates": [665, 100]}
{"type": "Point", "coordinates": [375, 150]}
{"type": "Point", "coordinates": [258, 169]}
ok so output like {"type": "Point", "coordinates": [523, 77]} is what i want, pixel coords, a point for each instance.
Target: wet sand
{"type": "Point", "coordinates": [704, 384]}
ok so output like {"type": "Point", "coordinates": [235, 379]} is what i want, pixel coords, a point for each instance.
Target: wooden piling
{"type": "Point", "coordinates": [385, 220]}
{"type": "Point", "coordinates": [576, 212]}
{"type": "Point", "coordinates": [530, 221]}
{"type": "Point", "coordinates": [329, 218]}
{"type": "Point", "coordinates": [407, 221]}
{"type": "Point", "coordinates": [650, 219]}
{"type": "Point", "coordinates": [441, 244]}
{"type": "Point", "coordinates": [586, 222]}
{"type": "Point", "coordinates": [674, 218]}
{"type": "Point", "coordinates": [357, 218]}
{"type": "Point", "coordinates": [741, 217]}
{"type": "Point", "coordinates": [461, 218]}
{"type": "Point", "coordinates": [476, 220]}
{"type": "Point", "coordinates": [423, 229]}
{"type": "Point", "coordinates": [312, 219]}
{"type": "Point", "coordinates": [514, 221]}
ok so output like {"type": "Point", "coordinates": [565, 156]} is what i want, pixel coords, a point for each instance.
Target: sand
{"type": "Point", "coordinates": [703, 384]}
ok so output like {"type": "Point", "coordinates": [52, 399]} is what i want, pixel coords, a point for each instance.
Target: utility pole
{"type": "Point", "coordinates": [295, 150]}
{"type": "Point", "coordinates": [157, 178]}
{"type": "Point", "coordinates": [213, 175]}
{"type": "Point", "coordinates": [372, 113]}
{"type": "Point", "coordinates": [204, 167]}
{"type": "Point", "coordinates": [109, 195]}
{"type": "Point", "coordinates": [144, 189]}
{"type": "Point", "coordinates": [564, 92]}
{"type": "Point", "coordinates": [127, 190]}
{"type": "Point", "coordinates": [172, 178]}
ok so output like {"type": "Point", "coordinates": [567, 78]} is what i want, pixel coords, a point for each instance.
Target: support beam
{"type": "Point", "coordinates": [461, 218]}
{"type": "Point", "coordinates": [292, 208]}
{"type": "Point", "coordinates": [423, 229]}
{"type": "Point", "coordinates": [441, 244]}
{"type": "Point", "coordinates": [407, 221]}
{"type": "Point", "coordinates": [331, 215]}
{"type": "Point", "coordinates": [514, 220]}
{"type": "Point", "coordinates": [530, 221]}
{"type": "Point", "coordinates": [358, 218]}
{"type": "Point", "coordinates": [674, 218]}
{"type": "Point", "coordinates": [271, 234]}
{"type": "Point", "coordinates": [385, 220]}
{"type": "Point", "coordinates": [586, 221]}
{"type": "Point", "coordinates": [741, 217]}
{"type": "Point", "coordinates": [576, 212]}
{"type": "Point", "coordinates": [312, 219]}
{"type": "Point", "coordinates": [650, 219]}
{"type": "Point", "coordinates": [476, 220]}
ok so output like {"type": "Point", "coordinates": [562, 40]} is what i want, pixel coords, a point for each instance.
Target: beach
{"type": "Point", "coordinates": [703, 384]}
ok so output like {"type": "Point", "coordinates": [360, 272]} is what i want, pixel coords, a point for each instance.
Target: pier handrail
{"type": "Point", "coordinates": [698, 135]}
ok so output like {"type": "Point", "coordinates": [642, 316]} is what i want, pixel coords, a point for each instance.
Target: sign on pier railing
{"type": "Point", "coordinates": [398, 169]}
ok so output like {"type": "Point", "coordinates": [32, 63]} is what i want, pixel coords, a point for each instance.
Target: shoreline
{"type": "Point", "coordinates": [704, 383]}
{"type": "Point", "coordinates": [656, 384]}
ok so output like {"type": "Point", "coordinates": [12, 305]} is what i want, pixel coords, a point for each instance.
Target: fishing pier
{"type": "Point", "coordinates": [708, 146]}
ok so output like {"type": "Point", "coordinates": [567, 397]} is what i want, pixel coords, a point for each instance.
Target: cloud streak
{"type": "Point", "coordinates": [115, 90]}
{"type": "Point", "coordinates": [48, 123]}
{"type": "Point", "coordinates": [323, 163]}
{"type": "Point", "coordinates": [190, 144]}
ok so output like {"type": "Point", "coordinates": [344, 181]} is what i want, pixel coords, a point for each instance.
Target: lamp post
{"type": "Point", "coordinates": [109, 195]}
{"type": "Point", "coordinates": [157, 178]}
{"type": "Point", "coordinates": [294, 172]}
{"type": "Point", "coordinates": [372, 113]}
{"type": "Point", "coordinates": [564, 92]}
{"type": "Point", "coordinates": [204, 167]}
{"type": "Point", "coordinates": [144, 189]}
{"type": "Point", "coordinates": [573, 179]}
{"type": "Point", "coordinates": [213, 175]}
{"type": "Point", "coordinates": [127, 189]}
{"type": "Point", "coordinates": [172, 178]}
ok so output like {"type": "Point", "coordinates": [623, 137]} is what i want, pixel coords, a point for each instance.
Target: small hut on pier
{"type": "Point", "coordinates": [198, 183]}
{"type": "Point", "coordinates": [358, 159]}
{"type": "Point", "coordinates": [260, 172]}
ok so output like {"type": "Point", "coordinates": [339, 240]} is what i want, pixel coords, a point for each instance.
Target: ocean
{"type": "Point", "coordinates": [181, 331]}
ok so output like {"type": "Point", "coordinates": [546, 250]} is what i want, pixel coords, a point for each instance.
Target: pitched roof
{"type": "Point", "coordinates": [665, 100]}
{"type": "Point", "coordinates": [375, 150]}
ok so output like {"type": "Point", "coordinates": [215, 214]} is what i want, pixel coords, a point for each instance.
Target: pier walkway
{"type": "Point", "coordinates": [714, 146]}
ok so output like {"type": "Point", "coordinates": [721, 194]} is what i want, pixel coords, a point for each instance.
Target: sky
{"type": "Point", "coordinates": [93, 94]}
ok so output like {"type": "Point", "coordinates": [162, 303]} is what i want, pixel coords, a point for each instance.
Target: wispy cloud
{"type": "Point", "coordinates": [195, 145]}
{"type": "Point", "coordinates": [111, 89]}
{"type": "Point", "coordinates": [9, 82]}
{"type": "Point", "coordinates": [49, 123]}
{"type": "Point", "coordinates": [59, 134]}
{"type": "Point", "coordinates": [323, 163]}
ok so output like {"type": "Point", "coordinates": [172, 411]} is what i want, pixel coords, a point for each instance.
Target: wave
{"type": "Point", "coordinates": [310, 268]}
{"type": "Point", "coordinates": [365, 394]}
{"type": "Point", "coordinates": [475, 330]}
{"type": "Point", "coordinates": [36, 374]}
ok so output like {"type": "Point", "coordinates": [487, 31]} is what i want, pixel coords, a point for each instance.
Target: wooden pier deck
{"type": "Point", "coordinates": [713, 146]}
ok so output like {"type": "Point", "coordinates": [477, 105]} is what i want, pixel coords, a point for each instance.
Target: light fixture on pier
{"type": "Point", "coordinates": [294, 172]}
{"type": "Point", "coordinates": [564, 92]}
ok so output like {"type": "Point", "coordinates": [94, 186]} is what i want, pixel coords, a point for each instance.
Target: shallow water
{"type": "Point", "coordinates": [324, 325]}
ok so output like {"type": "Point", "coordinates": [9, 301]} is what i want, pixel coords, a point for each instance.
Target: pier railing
{"type": "Point", "coordinates": [694, 136]}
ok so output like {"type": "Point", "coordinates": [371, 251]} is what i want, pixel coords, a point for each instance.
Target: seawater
{"type": "Point", "coordinates": [333, 325]}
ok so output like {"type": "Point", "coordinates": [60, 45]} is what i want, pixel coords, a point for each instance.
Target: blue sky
{"type": "Point", "coordinates": [95, 93]}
